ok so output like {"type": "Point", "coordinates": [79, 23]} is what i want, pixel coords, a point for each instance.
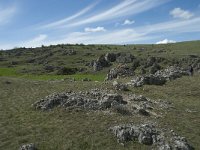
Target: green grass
{"type": "Point", "coordinates": [12, 72]}
{"type": "Point", "coordinates": [8, 72]}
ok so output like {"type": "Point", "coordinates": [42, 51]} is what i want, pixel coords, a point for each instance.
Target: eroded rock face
{"type": "Point", "coordinates": [159, 78]}
{"type": "Point", "coordinates": [30, 146]}
{"type": "Point", "coordinates": [148, 134]}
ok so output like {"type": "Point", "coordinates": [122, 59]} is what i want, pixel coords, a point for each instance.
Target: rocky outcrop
{"type": "Point", "coordinates": [148, 134]}
{"type": "Point", "coordinates": [159, 78]}
{"type": "Point", "coordinates": [120, 71]}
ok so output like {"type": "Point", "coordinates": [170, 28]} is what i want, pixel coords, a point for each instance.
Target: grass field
{"type": "Point", "coordinates": [60, 129]}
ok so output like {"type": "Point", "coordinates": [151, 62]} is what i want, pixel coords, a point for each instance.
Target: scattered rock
{"type": "Point", "coordinates": [30, 146]}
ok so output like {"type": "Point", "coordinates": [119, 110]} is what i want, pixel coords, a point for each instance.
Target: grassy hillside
{"type": "Point", "coordinates": [23, 81]}
{"type": "Point", "coordinates": [32, 61]}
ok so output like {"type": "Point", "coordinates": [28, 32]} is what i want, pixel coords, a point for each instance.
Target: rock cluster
{"type": "Point", "coordinates": [30, 146]}
{"type": "Point", "coordinates": [159, 78]}
{"type": "Point", "coordinates": [148, 134]}
{"type": "Point", "coordinates": [93, 100]}
{"type": "Point", "coordinates": [106, 59]}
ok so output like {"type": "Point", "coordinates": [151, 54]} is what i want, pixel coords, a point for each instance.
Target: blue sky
{"type": "Point", "coordinates": [32, 23]}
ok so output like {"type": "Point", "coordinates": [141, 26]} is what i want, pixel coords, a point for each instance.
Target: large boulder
{"type": "Point", "coordinates": [110, 57]}
{"type": "Point", "coordinates": [100, 63]}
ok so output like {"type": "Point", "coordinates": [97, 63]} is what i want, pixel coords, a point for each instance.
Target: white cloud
{"type": "Point", "coordinates": [180, 13]}
{"type": "Point", "coordinates": [97, 29]}
{"type": "Point", "coordinates": [128, 22]}
{"type": "Point", "coordinates": [166, 41]}
{"type": "Point", "coordinates": [6, 14]}
{"type": "Point", "coordinates": [65, 20]}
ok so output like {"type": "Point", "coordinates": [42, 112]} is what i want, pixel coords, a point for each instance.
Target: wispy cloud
{"type": "Point", "coordinates": [125, 8]}
{"type": "Point", "coordinates": [6, 14]}
{"type": "Point", "coordinates": [97, 29]}
{"type": "Point", "coordinates": [66, 20]}
{"type": "Point", "coordinates": [165, 41]}
{"type": "Point", "coordinates": [180, 13]}
{"type": "Point", "coordinates": [128, 22]}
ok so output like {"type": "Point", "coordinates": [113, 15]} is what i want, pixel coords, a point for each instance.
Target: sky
{"type": "Point", "coordinates": [32, 23]}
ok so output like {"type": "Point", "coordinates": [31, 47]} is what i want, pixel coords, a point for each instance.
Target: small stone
{"type": "Point", "coordinates": [30, 146]}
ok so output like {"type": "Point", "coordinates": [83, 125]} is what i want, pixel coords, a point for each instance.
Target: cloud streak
{"type": "Point", "coordinates": [66, 20]}
{"type": "Point", "coordinates": [6, 14]}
